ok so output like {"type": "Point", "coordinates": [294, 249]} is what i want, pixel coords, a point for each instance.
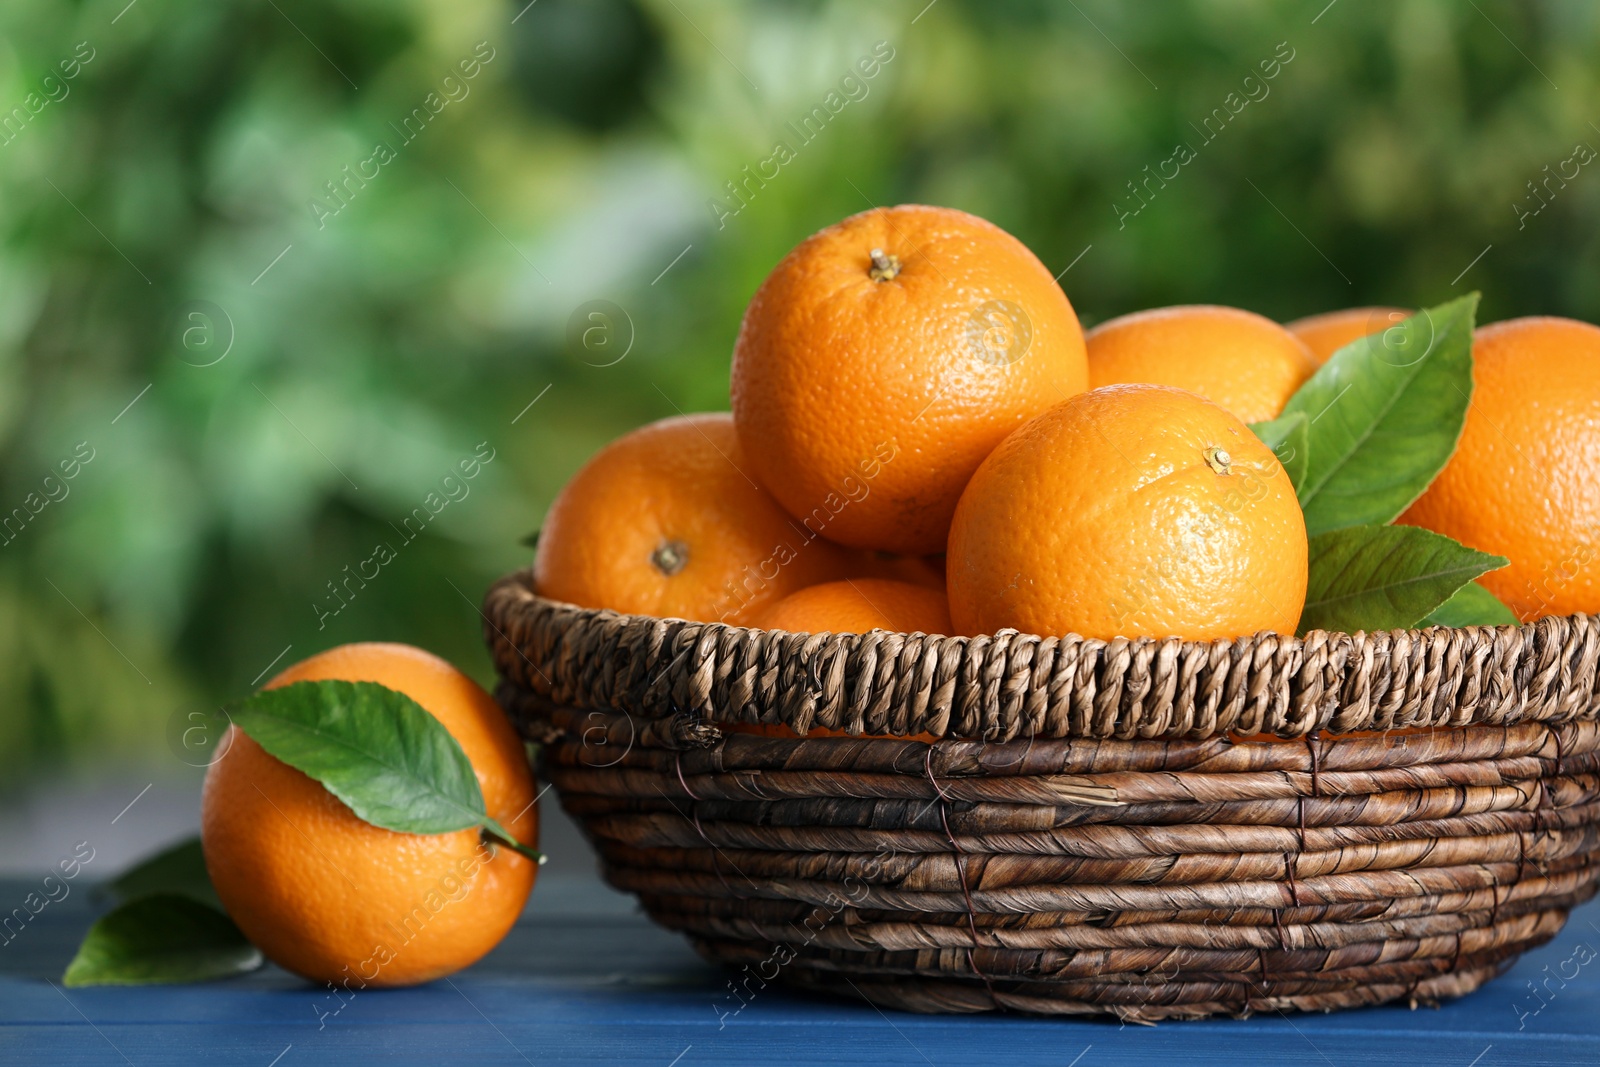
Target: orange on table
{"type": "Point", "coordinates": [668, 521]}
{"type": "Point", "coordinates": [882, 360]}
{"type": "Point", "coordinates": [1330, 331]}
{"type": "Point", "coordinates": [1245, 362]}
{"type": "Point", "coordinates": [1132, 511]}
{"type": "Point", "coordinates": [858, 606]}
{"type": "Point", "coordinates": [1524, 482]}
{"type": "Point", "coordinates": [336, 899]}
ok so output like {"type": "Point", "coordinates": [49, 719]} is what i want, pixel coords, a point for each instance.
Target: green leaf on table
{"type": "Point", "coordinates": [180, 869]}
{"type": "Point", "coordinates": [1385, 577]}
{"type": "Point", "coordinates": [1471, 605]}
{"type": "Point", "coordinates": [1384, 415]}
{"type": "Point", "coordinates": [379, 751]}
{"type": "Point", "coordinates": [161, 939]}
{"type": "Point", "coordinates": [1289, 438]}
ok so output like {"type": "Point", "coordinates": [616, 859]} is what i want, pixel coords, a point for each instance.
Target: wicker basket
{"type": "Point", "coordinates": [1104, 842]}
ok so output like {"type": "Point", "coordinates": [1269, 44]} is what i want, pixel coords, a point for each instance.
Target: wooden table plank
{"type": "Point", "coordinates": [585, 979]}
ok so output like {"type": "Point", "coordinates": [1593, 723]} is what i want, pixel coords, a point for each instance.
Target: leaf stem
{"type": "Point", "coordinates": [498, 834]}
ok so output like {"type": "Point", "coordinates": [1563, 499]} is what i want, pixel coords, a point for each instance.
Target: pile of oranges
{"type": "Point", "coordinates": [924, 439]}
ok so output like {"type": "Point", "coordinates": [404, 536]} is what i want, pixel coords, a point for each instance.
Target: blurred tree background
{"type": "Point", "coordinates": [271, 371]}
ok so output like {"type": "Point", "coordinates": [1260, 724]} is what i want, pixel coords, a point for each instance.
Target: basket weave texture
{"type": "Point", "coordinates": [1092, 833]}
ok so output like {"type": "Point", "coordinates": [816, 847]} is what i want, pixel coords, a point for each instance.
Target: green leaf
{"type": "Point", "coordinates": [180, 869]}
{"type": "Point", "coordinates": [1289, 438]}
{"type": "Point", "coordinates": [1385, 577]}
{"type": "Point", "coordinates": [379, 751]}
{"type": "Point", "coordinates": [161, 939]}
{"type": "Point", "coordinates": [1384, 414]}
{"type": "Point", "coordinates": [1471, 605]}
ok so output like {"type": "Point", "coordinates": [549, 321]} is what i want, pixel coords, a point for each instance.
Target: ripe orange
{"type": "Point", "coordinates": [1522, 482]}
{"type": "Point", "coordinates": [1133, 511]}
{"type": "Point", "coordinates": [336, 899]}
{"type": "Point", "coordinates": [858, 606]}
{"type": "Point", "coordinates": [1325, 334]}
{"type": "Point", "coordinates": [668, 521]}
{"type": "Point", "coordinates": [1248, 364]}
{"type": "Point", "coordinates": [927, 571]}
{"type": "Point", "coordinates": [883, 359]}
{"type": "Point", "coordinates": [853, 606]}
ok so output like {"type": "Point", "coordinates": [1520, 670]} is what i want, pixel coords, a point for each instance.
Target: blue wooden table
{"type": "Point", "coordinates": [584, 978]}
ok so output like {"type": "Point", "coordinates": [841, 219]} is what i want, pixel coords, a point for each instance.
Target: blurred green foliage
{"type": "Point", "coordinates": [158, 209]}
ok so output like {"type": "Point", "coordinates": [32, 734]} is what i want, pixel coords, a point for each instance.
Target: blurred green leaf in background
{"type": "Point", "coordinates": [270, 387]}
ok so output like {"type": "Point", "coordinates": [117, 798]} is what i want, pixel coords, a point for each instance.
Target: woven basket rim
{"type": "Point", "coordinates": [1006, 685]}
